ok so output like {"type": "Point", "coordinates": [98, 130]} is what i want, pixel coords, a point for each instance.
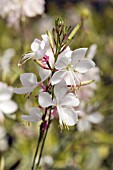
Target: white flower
{"type": "Point", "coordinates": [69, 64]}
{"type": "Point", "coordinates": [29, 82]}
{"type": "Point", "coordinates": [14, 10]}
{"type": "Point", "coordinates": [86, 120]}
{"type": "Point", "coordinates": [64, 103]}
{"type": "Point", "coordinates": [39, 49]}
{"type": "Point", "coordinates": [6, 58]}
{"type": "Point", "coordinates": [7, 105]}
{"type": "Point", "coordinates": [34, 115]}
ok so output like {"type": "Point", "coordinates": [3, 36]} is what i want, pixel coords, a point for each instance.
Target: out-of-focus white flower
{"type": "Point", "coordinates": [7, 106]}
{"type": "Point", "coordinates": [6, 58]}
{"type": "Point", "coordinates": [34, 115]}
{"type": "Point", "coordinates": [87, 91]}
{"type": "Point", "coordinates": [64, 103]}
{"type": "Point", "coordinates": [13, 10]}
{"type": "Point", "coordinates": [69, 65]}
{"type": "Point", "coordinates": [45, 23]}
{"type": "Point", "coordinates": [87, 118]}
{"type": "Point", "coordinates": [47, 159]}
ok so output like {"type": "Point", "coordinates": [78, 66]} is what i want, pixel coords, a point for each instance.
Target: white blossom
{"type": "Point", "coordinates": [29, 82]}
{"type": "Point", "coordinates": [14, 10]}
{"type": "Point", "coordinates": [70, 64]}
{"type": "Point", "coordinates": [7, 106]}
{"type": "Point", "coordinates": [64, 103]}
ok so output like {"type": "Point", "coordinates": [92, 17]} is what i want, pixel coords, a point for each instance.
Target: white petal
{"type": "Point", "coordinates": [83, 125]}
{"type": "Point", "coordinates": [58, 76]}
{"type": "Point", "coordinates": [60, 90]}
{"type": "Point", "coordinates": [35, 111]}
{"type": "Point", "coordinates": [23, 90]}
{"type": "Point", "coordinates": [62, 62]}
{"type": "Point", "coordinates": [8, 107]}
{"type": "Point", "coordinates": [28, 79]}
{"type": "Point", "coordinates": [34, 116]}
{"type": "Point", "coordinates": [45, 99]}
{"type": "Point", "coordinates": [78, 55]}
{"type": "Point", "coordinates": [70, 100]}
{"type": "Point", "coordinates": [84, 65]}
{"type": "Point", "coordinates": [92, 51]}
{"type": "Point", "coordinates": [6, 92]}
{"type": "Point", "coordinates": [44, 74]}
{"type": "Point", "coordinates": [35, 45]}
{"type": "Point", "coordinates": [67, 116]}
{"type": "Point", "coordinates": [95, 117]}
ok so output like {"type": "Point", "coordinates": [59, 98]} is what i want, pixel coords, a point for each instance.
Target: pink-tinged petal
{"type": "Point", "coordinates": [92, 51]}
{"type": "Point", "coordinates": [67, 116]}
{"type": "Point", "coordinates": [78, 55]}
{"type": "Point", "coordinates": [60, 90]}
{"type": "Point", "coordinates": [84, 65]}
{"type": "Point", "coordinates": [69, 100]}
{"type": "Point", "coordinates": [45, 99]}
{"type": "Point", "coordinates": [8, 107]}
{"type": "Point", "coordinates": [58, 76]}
{"type": "Point", "coordinates": [35, 45]}
{"type": "Point", "coordinates": [44, 74]}
{"type": "Point", "coordinates": [62, 62]}
{"type": "Point", "coordinates": [28, 79]}
{"type": "Point", "coordinates": [83, 125]}
{"type": "Point", "coordinates": [23, 90]}
{"type": "Point", "coordinates": [95, 117]}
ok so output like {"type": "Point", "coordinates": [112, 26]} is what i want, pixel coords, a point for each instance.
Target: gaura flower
{"type": "Point", "coordinates": [29, 82]}
{"type": "Point", "coordinates": [7, 106]}
{"type": "Point", "coordinates": [34, 115]}
{"type": "Point", "coordinates": [69, 65]}
{"type": "Point", "coordinates": [88, 117]}
{"type": "Point", "coordinates": [39, 49]}
{"type": "Point", "coordinates": [64, 102]}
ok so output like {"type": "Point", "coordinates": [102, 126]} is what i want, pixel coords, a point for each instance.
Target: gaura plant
{"type": "Point", "coordinates": [60, 70]}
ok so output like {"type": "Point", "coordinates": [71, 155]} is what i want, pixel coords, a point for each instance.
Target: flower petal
{"type": "Point", "coordinates": [69, 100]}
{"type": "Point", "coordinates": [35, 45]}
{"type": "Point", "coordinates": [28, 79]}
{"type": "Point", "coordinates": [45, 99]}
{"type": "Point", "coordinates": [84, 65]}
{"type": "Point", "coordinates": [58, 76]}
{"type": "Point", "coordinates": [35, 115]}
{"type": "Point", "coordinates": [8, 107]}
{"type": "Point", "coordinates": [60, 90]}
{"type": "Point", "coordinates": [83, 125]}
{"type": "Point", "coordinates": [67, 116]}
{"type": "Point", "coordinates": [62, 62]}
{"type": "Point", "coordinates": [92, 51]}
{"type": "Point", "coordinates": [95, 118]}
{"type": "Point", "coordinates": [44, 74]}
{"type": "Point", "coordinates": [23, 90]}
{"type": "Point", "coordinates": [78, 55]}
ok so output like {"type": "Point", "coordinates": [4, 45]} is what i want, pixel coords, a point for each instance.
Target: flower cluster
{"type": "Point", "coordinates": [14, 10]}
{"type": "Point", "coordinates": [62, 74]}
{"type": "Point", "coordinates": [62, 69]}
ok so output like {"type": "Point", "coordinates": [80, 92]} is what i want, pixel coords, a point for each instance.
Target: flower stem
{"type": "Point", "coordinates": [38, 144]}
{"type": "Point", "coordinates": [43, 142]}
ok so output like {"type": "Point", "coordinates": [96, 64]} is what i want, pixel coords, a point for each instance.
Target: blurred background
{"type": "Point", "coordinates": [86, 146]}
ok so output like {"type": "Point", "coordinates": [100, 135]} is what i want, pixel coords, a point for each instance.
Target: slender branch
{"type": "Point", "coordinates": [43, 142]}
{"type": "Point", "coordinates": [38, 144]}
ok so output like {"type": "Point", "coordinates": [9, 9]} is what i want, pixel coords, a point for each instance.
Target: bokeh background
{"type": "Point", "coordinates": [86, 149]}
